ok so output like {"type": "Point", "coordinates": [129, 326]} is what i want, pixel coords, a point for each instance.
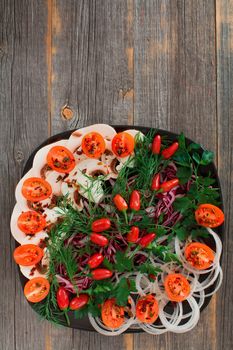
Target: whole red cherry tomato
{"type": "Point", "coordinates": [168, 152]}
{"type": "Point", "coordinates": [98, 239]}
{"type": "Point", "coordinates": [78, 302]}
{"type": "Point", "coordinates": [62, 298]}
{"type": "Point", "coordinates": [101, 225]}
{"type": "Point", "coordinates": [156, 144]}
{"type": "Point", "coordinates": [120, 203]}
{"type": "Point", "coordinates": [95, 260]}
{"type": "Point", "coordinates": [134, 201]}
{"type": "Point", "coordinates": [101, 274]}
{"type": "Point", "coordinates": [133, 234]}
{"type": "Point", "coordinates": [146, 240]}
{"type": "Point", "coordinates": [168, 185]}
{"type": "Point", "coordinates": [155, 185]}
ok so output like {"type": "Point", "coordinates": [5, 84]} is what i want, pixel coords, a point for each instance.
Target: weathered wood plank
{"type": "Point", "coordinates": [23, 110]}
{"type": "Point", "coordinates": [174, 79]}
{"type": "Point", "coordinates": [224, 36]}
{"type": "Point", "coordinates": [92, 72]}
{"type": "Point", "coordinates": [92, 62]}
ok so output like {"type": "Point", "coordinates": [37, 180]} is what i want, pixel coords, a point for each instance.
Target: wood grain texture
{"type": "Point", "coordinates": [157, 63]}
{"type": "Point", "coordinates": [224, 54]}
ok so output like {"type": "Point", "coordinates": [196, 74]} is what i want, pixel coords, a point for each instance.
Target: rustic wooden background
{"type": "Point", "coordinates": [166, 64]}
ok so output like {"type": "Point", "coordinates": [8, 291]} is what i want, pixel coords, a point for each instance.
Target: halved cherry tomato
{"type": "Point", "coordinates": [101, 274]}
{"type": "Point", "coordinates": [101, 225]}
{"type": "Point", "coordinates": [133, 234]}
{"type": "Point", "coordinates": [62, 298]}
{"type": "Point", "coordinates": [209, 215]}
{"type": "Point", "coordinates": [122, 144]}
{"type": "Point", "coordinates": [36, 189]}
{"type": "Point", "coordinates": [31, 222]}
{"type": "Point", "coordinates": [147, 239]}
{"type": "Point", "coordinates": [155, 185]}
{"type": "Point", "coordinates": [168, 152]}
{"type": "Point", "coordinates": [112, 314]}
{"type": "Point", "coordinates": [98, 239]}
{"type": "Point", "coordinates": [168, 185]}
{"type": "Point", "coordinates": [95, 260]}
{"type": "Point", "coordinates": [199, 255]}
{"type": "Point", "coordinates": [60, 159]}
{"type": "Point", "coordinates": [156, 144]}
{"type": "Point", "coordinates": [93, 145]}
{"type": "Point", "coordinates": [120, 203]}
{"type": "Point", "coordinates": [134, 201]}
{"type": "Point", "coordinates": [78, 302]}
{"type": "Point", "coordinates": [147, 309]}
{"type": "Point", "coordinates": [36, 289]}
{"type": "Point", "coordinates": [177, 287]}
{"type": "Point", "coordinates": [28, 254]}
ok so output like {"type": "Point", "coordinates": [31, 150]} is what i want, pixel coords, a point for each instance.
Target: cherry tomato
{"type": "Point", "coordinates": [95, 260]}
{"type": "Point", "coordinates": [101, 225]}
{"type": "Point", "coordinates": [209, 215]}
{"type": "Point", "coordinates": [156, 144]}
{"type": "Point", "coordinates": [62, 298]}
{"type": "Point", "coordinates": [120, 203]}
{"type": "Point", "coordinates": [155, 185]}
{"type": "Point", "coordinates": [177, 287]}
{"type": "Point", "coordinates": [36, 189]}
{"type": "Point", "coordinates": [112, 315]}
{"type": "Point", "coordinates": [101, 274]}
{"type": "Point", "coordinates": [199, 255]}
{"type": "Point", "coordinates": [98, 239]}
{"type": "Point", "coordinates": [133, 234]}
{"type": "Point", "coordinates": [28, 254]}
{"type": "Point", "coordinates": [134, 201]}
{"type": "Point", "coordinates": [122, 144]}
{"type": "Point", "coordinates": [168, 185]}
{"type": "Point", "coordinates": [31, 222]}
{"type": "Point", "coordinates": [78, 302]}
{"type": "Point", "coordinates": [147, 309]}
{"type": "Point", "coordinates": [36, 289]}
{"type": "Point", "coordinates": [93, 145]}
{"type": "Point", "coordinates": [168, 152]}
{"type": "Point", "coordinates": [147, 239]}
{"type": "Point", "coordinates": [60, 159]}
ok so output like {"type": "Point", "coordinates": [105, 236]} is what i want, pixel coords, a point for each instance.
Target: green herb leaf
{"type": "Point", "coordinates": [108, 265]}
{"type": "Point", "coordinates": [182, 204]}
{"type": "Point", "coordinates": [184, 174]}
{"type": "Point", "coordinates": [207, 158]}
{"type": "Point", "coordinates": [149, 269]}
{"type": "Point", "coordinates": [123, 290]}
{"type": "Point", "coordinates": [196, 157]}
{"type": "Point", "coordinates": [193, 146]}
{"type": "Point", "coordinates": [123, 263]}
{"type": "Point", "coordinates": [181, 233]}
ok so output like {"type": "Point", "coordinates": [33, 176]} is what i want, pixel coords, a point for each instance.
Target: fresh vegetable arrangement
{"type": "Point", "coordinates": [118, 227]}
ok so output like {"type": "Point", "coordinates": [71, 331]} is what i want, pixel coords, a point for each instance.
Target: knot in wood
{"type": "Point", "coordinates": [67, 113]}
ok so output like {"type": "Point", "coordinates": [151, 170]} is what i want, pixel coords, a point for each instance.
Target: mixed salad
{"type": "Point", "coordinates": [119, 227]}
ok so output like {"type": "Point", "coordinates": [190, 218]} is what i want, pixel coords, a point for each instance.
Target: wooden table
{"type": "Point", "coordinates": [166, 64]}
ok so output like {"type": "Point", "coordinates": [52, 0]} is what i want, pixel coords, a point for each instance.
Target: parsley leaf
{"type": "Point", "coordinates": [123, 289]}
{"type": "Point", "coordinates": [182, 204]}
{"type": "Point", "coordinates": [163, 252]}
{"type": "Point", "coordinates": [184, 174]}
{"type": "Point", "coordinates": [149, 269]}
{"type": "Point", "coordinates": [123, 263]}
{"type": "Point", "coordinates": [207, 157]}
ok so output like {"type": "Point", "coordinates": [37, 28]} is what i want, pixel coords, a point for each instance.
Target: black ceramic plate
{"type": "Point", "coordinates": [84, 323]}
